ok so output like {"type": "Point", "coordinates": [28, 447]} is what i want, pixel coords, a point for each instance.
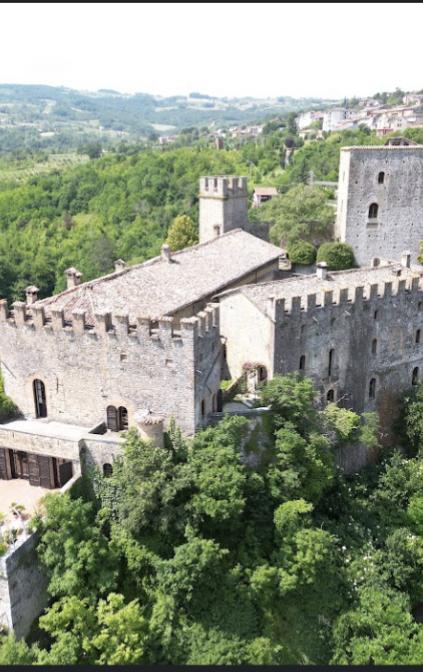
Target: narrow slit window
{"type": "Point", "coordinates": [330, 365]}
{"type": "Point", "coordinates": [302, 363]}
{"type": "Point", "coordinates": [330, 396]}
{"type": "Point", "coordinates": [415, 376]}
{"type": "Point", "coordinates": [418, 336]}
{"type": "Point", "coordinates": [381, 177]}
{"type": "Point", "coordinates": [372, 388]}
{"type": "Point", "coordinates": [374, 346]}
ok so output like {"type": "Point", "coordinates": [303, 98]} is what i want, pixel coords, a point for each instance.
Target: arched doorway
{"type": "Point", "coordinates": [40, 398]}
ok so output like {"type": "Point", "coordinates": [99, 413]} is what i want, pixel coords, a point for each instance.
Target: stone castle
{"type": "Point", "coordinates": [153, 341]}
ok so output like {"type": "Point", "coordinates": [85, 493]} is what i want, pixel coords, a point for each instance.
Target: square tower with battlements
{"type": "Point", "coordinates": [223, 205]}
{"type": "Point", "coordinates": [380, 201]}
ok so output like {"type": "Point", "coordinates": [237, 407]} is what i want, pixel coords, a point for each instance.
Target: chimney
{"type": "Point", "coordinates": [166, 253]}
{"type": "Point", "coordinates": [73, 277]}
{"type": "Point", "coordinates": [406, 259]}
{"type": "Point", "coordinates": [31, 294]}
{"type": "Point", "coordinates": [119, 265]}
{"type": "Point", "coordinates": [322, 270]}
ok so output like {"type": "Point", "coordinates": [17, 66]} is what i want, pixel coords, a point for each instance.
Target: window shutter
{"type": "Point", "coordinates": [112, 419]}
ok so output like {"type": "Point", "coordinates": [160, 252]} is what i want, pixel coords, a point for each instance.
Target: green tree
{"type": "Point", "coordinates": [182, 233]}
{"type": "Point", "coordinates": [302, 252]}
{"type": "Point", "coordinates": [338, 256]}
{"type": "Point", "coordinates": [301, 213]}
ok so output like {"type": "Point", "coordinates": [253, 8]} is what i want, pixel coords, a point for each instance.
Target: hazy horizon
{"type": "Point", "coordinates": [226, 50]}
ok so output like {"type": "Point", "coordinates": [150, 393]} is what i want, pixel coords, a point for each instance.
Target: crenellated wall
{"type": "Point", "coordinates": [347, 322]}
{"type": "Point", "coordinates": [223, 205]}
{"type": "Point", "coordinates": [167, 366]}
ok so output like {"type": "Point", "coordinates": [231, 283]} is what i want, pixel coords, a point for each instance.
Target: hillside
{"type": "Point", "coordinates": [45, 116]}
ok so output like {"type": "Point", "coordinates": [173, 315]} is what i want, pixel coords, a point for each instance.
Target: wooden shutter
{"type": "Point", "coordinates": [34, 470]}
{"type": "Point", "coordinates": [46, 471]}
{"type": "Point", "coordinates": [112, 419]}
{"type": "Point", "coordinates": [4, 473]}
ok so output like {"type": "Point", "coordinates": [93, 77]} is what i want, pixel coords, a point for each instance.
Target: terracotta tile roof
{"type": "Point", "coordinates": [266, 191]}
{"type": "Point", "coordinates": [159, 287]}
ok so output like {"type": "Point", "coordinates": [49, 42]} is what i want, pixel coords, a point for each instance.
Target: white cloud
{"type": "Point", "coordinates": [230, 49]}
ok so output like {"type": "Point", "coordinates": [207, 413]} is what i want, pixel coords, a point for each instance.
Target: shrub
{"type": "Point", "coordinates": [302, 252]}
{"type": "Point", "coordinates": [338, 256]}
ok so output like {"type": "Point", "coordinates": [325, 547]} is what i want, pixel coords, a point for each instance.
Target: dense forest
{"type": "Point", "coordinates": [198, 554]}
{"type": "Point", "coordinates": [122, 204]}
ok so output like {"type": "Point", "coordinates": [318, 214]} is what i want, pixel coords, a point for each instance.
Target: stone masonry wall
{"type": "Point", "coordinates": [399, 224]}
{"type": "Point", "coordinates": [223, 204]}
{"type": "Point", "coordinates": [85, 370]}
{"type": "Point", "coordinates": [22, 588]}
{"type": "Point", "coordinates": [348, 324]}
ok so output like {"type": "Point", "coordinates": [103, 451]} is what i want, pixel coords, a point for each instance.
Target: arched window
{"type": "Point", "coordinates": [373, 211]}
{"type": "Point", "coordinates": [262, 374]}
{"type": "Point", "coordinates": [330, 395]}
{"type": "Point", "coordinates": [374, 346]}
{"type": "Point", "coordinates": [415, 376]}
{"type": "Point", "coordinates": [330, 365]}
{"type": "Point", "coordinates": [112, 419]}
{"type": "Point", "coordinates": [123, 418]}
{"type": "Point", "coordinates": [302, 363]}
{"type": "Point", "coordinates": [40, 399]}
{"type": "Point", "coordinates": [107, 470]}
{"type": "Point", "coordinates": [372, 388]}
{"type": "Point", "coordinates": [117, 418]}
{"type": "Point", "coordinates": [418, 335]}
{"type": "Point", "coordinates": [381, 177]}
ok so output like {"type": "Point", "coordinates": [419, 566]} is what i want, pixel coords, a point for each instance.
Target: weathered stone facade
{"type": "Point", "coordinates": [380, 201]}
{"type": "Point", "coordinates": [223, 205]}
{"type": "Point", "coordinates": [85, 370]}
{"type": "Point", "coordinates": [344, 332]}
{"type": "Point", "coordinates": [22, 588]}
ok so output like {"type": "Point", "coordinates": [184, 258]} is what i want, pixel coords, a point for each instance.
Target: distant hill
{"type": "Point", "coordinates": [37, 112]}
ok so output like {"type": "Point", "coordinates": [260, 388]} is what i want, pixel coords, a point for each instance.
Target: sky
{"type": "Point", "coordinates": [225, 49]}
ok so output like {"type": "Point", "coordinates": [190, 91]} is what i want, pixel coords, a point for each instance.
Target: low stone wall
{"type": "Point", "coordinates": [38, 444]}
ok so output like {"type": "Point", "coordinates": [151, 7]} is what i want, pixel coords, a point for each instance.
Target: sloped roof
{"type": "Point", "coordinates": [266, 191]}
{"type": "Point", "coordinates": [159, 287]}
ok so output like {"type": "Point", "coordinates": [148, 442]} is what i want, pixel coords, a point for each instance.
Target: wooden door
{"type": "Point", "coordinates": [4, 464]}
{"type": "Point", "coordinates": [45, 465]}
{"type": "Point", "coordinates": [34, 470]}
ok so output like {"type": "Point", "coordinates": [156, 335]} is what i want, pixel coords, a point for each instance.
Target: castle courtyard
{"type": "Point", "coordinates": [19, 491]}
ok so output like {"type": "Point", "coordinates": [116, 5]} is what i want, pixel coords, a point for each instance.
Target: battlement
{"type": "Point", "coordinates": [398, 289]}
{"type": "Point", "coordinates": [223, 186]}
{"type": "Point", "coordinates": [166, 329]}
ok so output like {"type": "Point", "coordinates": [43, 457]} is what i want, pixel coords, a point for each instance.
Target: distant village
{"type": "Point", "coordinates": [312, 124]}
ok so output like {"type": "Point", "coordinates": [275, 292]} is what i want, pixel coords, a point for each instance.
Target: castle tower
{"type": "Point", "coordinates": [223, 205]}
{"type": "Point", "coordinates": [380, 201]}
